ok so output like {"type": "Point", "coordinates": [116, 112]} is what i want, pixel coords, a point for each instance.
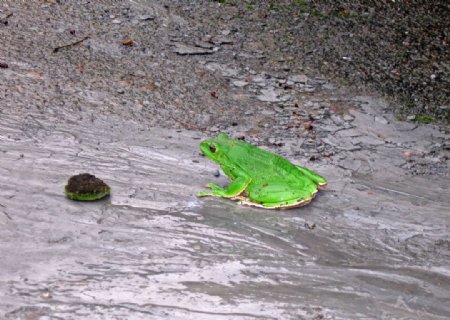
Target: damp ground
{"type": "Point", "coordinates": [126, 91]}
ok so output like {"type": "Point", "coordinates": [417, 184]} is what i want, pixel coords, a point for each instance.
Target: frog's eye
{"type": "Point", "coordinates": [212, 148]}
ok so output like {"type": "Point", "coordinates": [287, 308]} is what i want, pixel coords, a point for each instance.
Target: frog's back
{"type": "Point", "coordinates": [262, 164]}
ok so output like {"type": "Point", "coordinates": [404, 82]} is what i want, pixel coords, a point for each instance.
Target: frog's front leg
{"type": "Point", "coordinates": [234, 189]}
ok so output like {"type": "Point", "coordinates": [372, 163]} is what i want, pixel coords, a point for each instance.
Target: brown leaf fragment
{"type": "Point", "coordinates": [80, 68]}
{"type": "Point", "coordinates": [128, 42]}
{"type": "Point", "coordinates": [151, 86]}
{"type": "Point", "coordinates": [308, 125]}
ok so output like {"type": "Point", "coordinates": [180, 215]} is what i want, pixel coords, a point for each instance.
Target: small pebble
{"type": "Point", "coordinates": [240, 84]}
{"type": "Point", "coordinates": [206, 38]}
{"type": "Point", "coordinates": [298, 78]}
{"type": "Point", "coordinates": [381, 120]}
{"type": "Point", "coordinates": [146, 17]}
{"type": "Point", "coordinates": [348, 118]}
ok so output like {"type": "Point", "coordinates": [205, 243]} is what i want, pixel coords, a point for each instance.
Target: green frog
{"type": "Point", "coordinates": [259, 178]}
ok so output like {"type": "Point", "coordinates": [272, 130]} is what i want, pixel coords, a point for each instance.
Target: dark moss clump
{"type": "Point", "coordinates": [86, 187]}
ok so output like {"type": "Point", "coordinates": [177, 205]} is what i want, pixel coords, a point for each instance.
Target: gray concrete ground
{"type": "Point", "coordinates": [77, 97]}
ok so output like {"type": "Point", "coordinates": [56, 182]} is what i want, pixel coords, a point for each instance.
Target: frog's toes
{"type": "Point", "coordinates": [211, 186]}
{"type": "Point", "coordinates": [203, 193]}
{"type": "Point", "coordinates": [214, 186]}
{"type": "Point", "coordinates": [322, 186]}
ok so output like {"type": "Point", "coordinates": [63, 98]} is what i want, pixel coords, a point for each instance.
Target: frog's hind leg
{"type": "Point", "coordinates": [320, 181]}
{"type": "Point", "coordinates": [274, 195]}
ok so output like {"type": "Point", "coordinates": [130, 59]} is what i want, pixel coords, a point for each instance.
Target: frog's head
{"type": "Point", "coordinates": [215, 148]}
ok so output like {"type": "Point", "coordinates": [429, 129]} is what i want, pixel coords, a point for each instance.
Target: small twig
{"type": "Point", "coordinates": [71, 44]}
{"type": "Point", "coordinates": [7, 215]}
{"type": "Point", "coordinates": [4, 19]}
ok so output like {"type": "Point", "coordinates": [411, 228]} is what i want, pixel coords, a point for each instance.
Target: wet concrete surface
{"type": "Point", "coordinates": [375, 245]}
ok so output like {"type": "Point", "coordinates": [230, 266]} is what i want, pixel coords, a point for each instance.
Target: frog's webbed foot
{"type": "Point", "coordinates": [234, 189]}
{"type": "Point", "coordinates": [214, 186]}
{"type": "Point", "coordinates": [215, 191]}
